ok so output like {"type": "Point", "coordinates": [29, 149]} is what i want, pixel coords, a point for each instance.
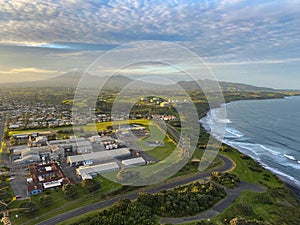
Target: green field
{"type": "Point", "coordinates": [89, 127]}
{"type": "Point", "coordinates": [243, 171]}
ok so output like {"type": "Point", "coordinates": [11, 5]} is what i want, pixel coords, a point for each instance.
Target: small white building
{"type": "Point", "coordinates": [53, 184]}
{"type": "Point", "coordinates": [133, 162]}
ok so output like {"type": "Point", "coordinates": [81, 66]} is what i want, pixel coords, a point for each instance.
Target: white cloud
{"type": "Point", "coordinates": [231, 31]}
{"type": "Point", "coordinates": [27, 71]}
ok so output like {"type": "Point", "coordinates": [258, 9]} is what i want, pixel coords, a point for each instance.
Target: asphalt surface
{"type": "Point", "coordinates": [4, 155]}
{"type": "Point", "coordinates": [228, 164]}
{"type": "Point", "coordinates": [19, 183]}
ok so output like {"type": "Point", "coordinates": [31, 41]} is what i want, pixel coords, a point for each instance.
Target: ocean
{"type": "Point", "coordinates": [266, 130]}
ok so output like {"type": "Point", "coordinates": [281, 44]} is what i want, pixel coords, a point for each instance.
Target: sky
{"type": "Point", "coordinates": [248, 41]}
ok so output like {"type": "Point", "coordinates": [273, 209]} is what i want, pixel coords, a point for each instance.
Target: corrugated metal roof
{"type": "Point", "coordinates": [97, 169]}
{"type": "Point", "coordinates": [98, 155]}
{"type": "Point", "coordinates": [134, 161]}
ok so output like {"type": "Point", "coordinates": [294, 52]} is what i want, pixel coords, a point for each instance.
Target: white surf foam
{"type": "Point", "coordinates": [290, 157]}
{"type": "Point", "coordinates": [269, 150]}
{"type": "Point", "coordinates": [234, 132]}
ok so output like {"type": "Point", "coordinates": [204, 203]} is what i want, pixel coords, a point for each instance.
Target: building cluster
{"type": "Point", "coordinates": [45, 176]}
{"type": "Point", "coordinates": [88, 157]}
{"type": "Point", "coordinates": [162, 102]}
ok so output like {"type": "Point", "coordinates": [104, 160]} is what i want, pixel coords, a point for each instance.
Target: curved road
{"type": "Point", "coordinates": [232, 195]}
{"type": "Point", "coordinates": [228, 164]}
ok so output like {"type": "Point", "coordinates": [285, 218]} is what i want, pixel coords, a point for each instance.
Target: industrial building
{"type": "Point", "coordinates": [133, 162]}
{"type": "Point", "coordinates": [45, 176]}
{"type": "Point", "coordinates": [76, 160]}
{"type": "Point", "coordinates": [87, 172]}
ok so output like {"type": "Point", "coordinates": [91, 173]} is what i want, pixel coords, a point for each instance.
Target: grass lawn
{"type": "Point", "coordinates": [243, 171]}
{"type": "Point", "coordinates": [277, 203]}
{"type": "Point", "coordinates": [163, 152]}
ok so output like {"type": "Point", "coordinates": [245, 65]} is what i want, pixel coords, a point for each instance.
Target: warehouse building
{"type": "Point", "coordinates": [88, 172]}
{"type": "Point", "coordinates": [133, 162]}
{"type": "Point", "coordinates": [77, 160]}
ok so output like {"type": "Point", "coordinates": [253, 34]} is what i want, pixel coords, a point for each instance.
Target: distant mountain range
{"type": "Point", "coordinates": [225, 86]}
{"type": "Point", "coordinates": [117, 82]}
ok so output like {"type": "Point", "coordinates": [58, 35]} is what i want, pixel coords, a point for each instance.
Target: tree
{"type": "Point", "coordinates": [30, 208]}
{"type": "Point", "coordinates": [70, 191]}
{"type": "Point", "coordinates": [90, 185]}
{"type": "Point", "coordinates": [45, 201]}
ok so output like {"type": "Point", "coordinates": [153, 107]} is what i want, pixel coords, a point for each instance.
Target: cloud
{"type": "Point", "coordinates": [238, 63]}
{"type": "Point", "coordinates": [26, 74]}
{"type": "Point", "coordinates": [65, 33]}
{"type": "Point", "coordinates": [28, 70]}
{"type": "Point", "coordinates": [201, 25]}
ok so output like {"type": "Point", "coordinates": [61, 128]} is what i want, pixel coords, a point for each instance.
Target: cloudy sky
{"type": "Point", "coordinates": [251, 41]}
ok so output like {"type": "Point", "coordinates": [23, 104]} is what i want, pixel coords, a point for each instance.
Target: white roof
{"type": "Point", "coordinates": [48, 168]}
{"type": "Point", "coordinates": [134, 161]}
{"type": "Point", "coordinates": [101, 155]}
{"type": "Point", "coordinates": [97, 169]}
{"type": "Point", "coordinates": [86, 176]}
{"type": "Point", "coordinates": [52, 184]}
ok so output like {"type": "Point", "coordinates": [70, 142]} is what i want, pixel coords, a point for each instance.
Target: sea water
{"type": "Point", "coordinates": [266, 130]}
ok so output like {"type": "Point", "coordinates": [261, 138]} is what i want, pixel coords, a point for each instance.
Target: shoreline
{"type": "Point", "coordinates": [288, 183]}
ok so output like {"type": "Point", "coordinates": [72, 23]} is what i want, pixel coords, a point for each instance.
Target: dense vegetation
{"type": "Point", "coordinates": [183, 201]}
{"type": "Point", "coordinates": [228, 180]}
{"type": "Point", "coordinates": [124, 212]}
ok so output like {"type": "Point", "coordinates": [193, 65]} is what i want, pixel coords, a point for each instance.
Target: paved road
{"type": "Point", "coordinates": [106, 203]}
{"type": "Point", "coordinates": [232, 195]}
{"type": "Point", "coordinates": [4, 153]}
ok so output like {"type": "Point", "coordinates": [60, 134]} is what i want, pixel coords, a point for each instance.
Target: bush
{"type": "Point", "coordinates": [122, 212]}
{"type": "Point", "coordinates": [228, 180]}
{"type": "Point", "coordinates": [183, 201]}
{"type": "Point", "coordinates": [90, 185]}
{"type": "Point", "coordinates": [45, 201]}
{"type": "Point", "coordinates": [242, 221]}
{"type": "Point", "coordinates": [30, 208]}
{"type": "Point", "coordinates": [70, 191]}
{"type": "Point", "coordinates": [244, 209]}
